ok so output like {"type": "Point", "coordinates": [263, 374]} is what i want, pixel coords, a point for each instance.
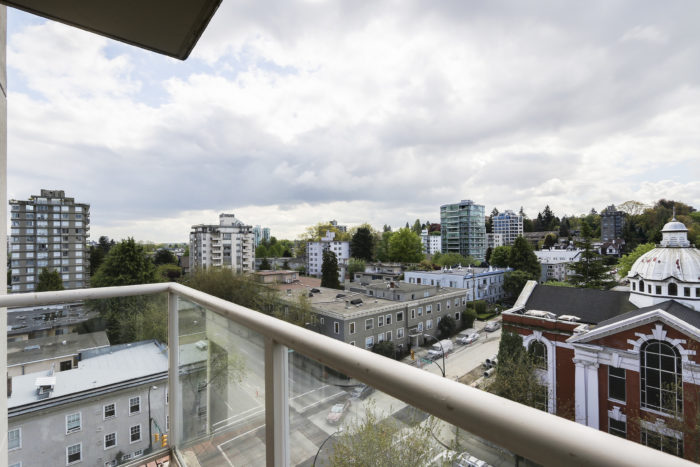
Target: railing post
{"type": "Point", "coordinates": [276, 403]}
{"type": "Point", "coordinates": [174, 395]}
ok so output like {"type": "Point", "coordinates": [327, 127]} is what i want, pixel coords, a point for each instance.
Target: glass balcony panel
{"type": "Point", "coordinates": [221, 388]}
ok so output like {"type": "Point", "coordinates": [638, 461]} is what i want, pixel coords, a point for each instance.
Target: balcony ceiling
{"type": "Point", "coordinates": [169, 27]}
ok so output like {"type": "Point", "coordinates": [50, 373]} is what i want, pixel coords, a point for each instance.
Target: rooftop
{"type": "Point", "coordinates": [30, 319]}
{"type": "Point", "coordinates": [43, 348]}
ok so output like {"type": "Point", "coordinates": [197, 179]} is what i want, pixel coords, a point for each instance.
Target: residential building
{"type": "Point", "coordinates": [509, 224]}
{"type": "Point", "coordinates": [97, 413]}
{"type": "Point", "coordinates": [623, 362]}
{"type": "Point", "coordinates": [536, 239]}
{"type": "Point", "coordinates": [379, 271]}
{"type": "Point", "coordinates": [463, 229]}
{"type": "Point", "coordinates": [228, 244]}
{"type": "Point", "coordinates": [33, 322]}
{"type": "Point", "coordinates": [612, 222]}
{"type": "Point", "coordinates": [432, 243]}
{"type": "Point", "coordinates": [276, 277]}
{"type": "Point", "coordinates": [494, 240]}
{"type": "Point", "coordinates": [614, 247]}
{"type": "Point", "coordinates": [49, 231]}
{"type": "Point", "coordinates": [314, 255]}
{"type": "Point", "coordinates": [260, 234]}
{"type": "Point", "coordinates": [555, 264]}
{"type": "Point", "coordinates": [341, 228]}
{"type": "Point", "coordinates": [487, 282]}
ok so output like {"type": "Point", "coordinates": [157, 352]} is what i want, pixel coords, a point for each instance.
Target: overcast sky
{"type": "Point", "coordinates": [290, 113]}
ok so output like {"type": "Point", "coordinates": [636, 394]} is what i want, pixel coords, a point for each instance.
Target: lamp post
{"type": "Point", "coordinates": [324, 442]}
{"type": "Point", "coordinates": [442, 368]}
{"type": "Point", "coordinates": [150, 420]}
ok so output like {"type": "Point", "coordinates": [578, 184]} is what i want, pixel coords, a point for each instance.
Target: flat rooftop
{"type": "Point", "coordinates": [45, 348]}
{"type": "Point", "coordinates": [31, 319]}
{"type": "Point", "coordinates": [460, 272]}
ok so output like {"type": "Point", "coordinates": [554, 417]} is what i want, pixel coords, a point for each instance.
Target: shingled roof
{"type": "Point", "coordinates": [672, 307]}
{"type": "Point", "coordinates": [592, 306]}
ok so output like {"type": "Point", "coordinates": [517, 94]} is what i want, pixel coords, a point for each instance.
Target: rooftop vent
{"type": "Point", "coordinates": [340, 295]}
{"type": "Point", "coordinates": [356, 301]}
{"type": "Point", "coordinates": [569, 318]}
{"type": "Point", "coordinates": [314, 290]}
{"type": "Point", "coordinates": [541, 314]}
{"type": "Point", "coordinates": [32, 347]}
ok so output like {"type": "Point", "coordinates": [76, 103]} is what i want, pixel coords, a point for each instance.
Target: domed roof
{"type": "Point", "coordinates": [663, 262]}
{"type": "Point", "coordinates": [674, 226]}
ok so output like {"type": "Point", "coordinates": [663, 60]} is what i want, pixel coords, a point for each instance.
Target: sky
{"type": "Point", "coordinates": [288, 113]}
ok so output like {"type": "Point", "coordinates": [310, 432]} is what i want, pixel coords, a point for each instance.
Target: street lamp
{"type": "Point", "coordinates": [324, 442]}
{"type": "Point", "coordinates": [150, 420]}
{"type": "Point", "coordinates": [442, 368]}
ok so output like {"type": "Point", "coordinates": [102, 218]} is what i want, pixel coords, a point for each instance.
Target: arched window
{"type": "Point", "coordinates": [538, 352]}
{"type": "Point", "coordinates": [641, 286]}
{"type": "Point", "coordinates": [661, 377]}
{"type": "Point", "coordinates": [672, 289]}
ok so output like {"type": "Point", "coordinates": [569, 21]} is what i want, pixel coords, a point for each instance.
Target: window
{"type": "Point", "coordinates": [74, 453]}
{"type": "Point", "coordinates": [109, 411]}
{"type": "Point", "coordinates": [380, 321]}
{"type": "Point", "coordinates": [617, 428]}
{"type": "Point", "coordinates": [369, 323]}
{"type": "Point", "coordinates": [428, 309]}
{"type": "Point", "coordinates": [669, 444]}
{"type": "Point", "coordinates": [420, 311]}
{"type": "Point", "coordinates": [387, 320]}
{"type": "Point", "coordinates": [134, 405]}
{"type": "Point", "coordinates": [672, 289]}
{"type": "Point", "coordinates": [686, 291]}
{"type": "Point", "coordinates": [616, 384]}
{"type": "Point", "coordinates": [538, 353]}
{"type": "Point", "coordinates": [399, 333]}
{"type": "Point", "coordinates": [352, 328]}
{"type": "Point", "coordinates": [429, 324]}
{"type": "Point", "coordinates": [14, 439]}
{"type": "Point", "coordinates": [457, 316]}
{"type": "Point", "coordinates": [73, 422]}
{"type": "Point", "coordinates": [138, 453]}
{"type": "Point", "coordinates": [336, 327]}
{"type": "Point", "coordinates": [661, 380]}
{"type": "Point", "coordinates": [456, 301]}
{"type": "Point", "coordinates": [399, 316]}
{"type": "Point", "coordinates": [634, 286]}
{"type": "Point", "coordinates": [413, 313]}
{"type": "Point", "coordinates": [135, 433]}
{"type": "Point", "coordinates": [438, 307]}
{"type": "Point", "coordinates": [380, 337]}
{"type": "Point", "coordinates": [388, 335]}
{"type": "Point", "coordinates": [420, 326]}
{"type": "Point", "coordinates": [110, 440]}
{"type": "Point", "coordinates": [658, 290]}
{"type": "Point", "coordinates": [369, 342]}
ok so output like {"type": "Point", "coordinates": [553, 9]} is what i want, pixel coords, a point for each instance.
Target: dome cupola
{"type": "Point", "coordinates": [674, 234]}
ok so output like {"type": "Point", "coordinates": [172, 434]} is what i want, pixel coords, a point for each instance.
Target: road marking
{"type": "Point", "coordinates": [257, 407]}
{"type": "Point", "coordinates": [225, 456]}
{"type": "Point", "coordinates": [309, 392]}
{"type": "Point", "coordinates": [323, 400]}
{"type": "Point", "coordinates": [241, 435]}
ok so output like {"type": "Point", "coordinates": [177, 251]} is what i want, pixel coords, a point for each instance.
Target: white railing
{"type": "Point", "coordinates": [528, 432]}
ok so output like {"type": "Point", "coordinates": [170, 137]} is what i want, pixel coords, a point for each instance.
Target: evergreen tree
{"type": "Point", "coordinates": [362, 244]}
{"type": "Point", "coordinates": [522, 258]}
{"type": "Point", "coordinates": [564, 228]}
{"type": "Point", "coordinates": [417, 227]}
{"type": "Point", "coordinates": [49, 280]}
{"type": "Point", "coordinates": [500, 256]}
{"type": "Point", "coordinates": [265, 265]}
{"type": "Point", "coordinates": [590, 271]}
{"type": "Point", "coordinates": [329, 271]}
{"type": "Point", "coordinates": [164, 256]}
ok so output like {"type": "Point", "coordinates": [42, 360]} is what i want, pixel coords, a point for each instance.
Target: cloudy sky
{"type": "Point", "coordinates": [288, 113]}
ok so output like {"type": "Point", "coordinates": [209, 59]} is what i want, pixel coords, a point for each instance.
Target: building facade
{"type": "Point", "coordinates": [431, 243]}
{"type": "Point", "coordinates": [479, 283]}
{"type": "Point", "coordinates": [612, 222]}
{"type": "Point", "coordinates": [49, 231]}
{"type": "Point", "coordinates": [508, 224]}
{"type": "Point", "coordinates": [555, 264]}
{"type": "Point", "coordinates": [228, 245]}
{"type": "Point", "coordinates": [463, 229]}
{"type": "Point", "coordinates": [260, 234]}
{"type": "Point", "coordinates": [494, 240]}
{"type": "Point", "coordinates": [314, 255]}
{"type": "Point", "coordinates": [624, 362]}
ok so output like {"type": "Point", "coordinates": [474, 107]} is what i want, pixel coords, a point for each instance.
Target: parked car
{"type": "Point", "coordinates": [437, 348]}
{"type": "Point", "coordinates": [468, 338]}
{"type": "Point", "coordinates": [361, 391]}
{"type": "Point", "coordinates": [466, 460]}
{"type": "Point", "coordinates": [338, 412]}
{"type": "Point", "coordinates": [492, 326]}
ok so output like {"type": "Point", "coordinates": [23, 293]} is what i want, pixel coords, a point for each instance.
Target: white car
{"type": "Point", "coordinates": [492, 326]}
{"type": "Point", "coordinates": [465, 460]}
{"type": "Point", "coordinates": [469, 338]}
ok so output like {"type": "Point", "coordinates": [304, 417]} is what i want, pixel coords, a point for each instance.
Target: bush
{"type": "Point", "coordinates": [468, 317]}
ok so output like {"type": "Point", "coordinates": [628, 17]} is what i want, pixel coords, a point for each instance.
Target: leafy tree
{"type": "Point", "coordinates": [237, 288]}
{"type": "Point", "coordinates": [329, 270]}
{"type": "Point", "coordinates": [468, 317]}
{"type": "Point", "coordinates": [49, 280]}
{"type": "Point", "coordinates": [514, 281]}
{"type": "Point", "coordinates": [500, 257]}
{"type": "Point", "coordinates": [559, 284]}
{"type": "Point", "coordinates": [417, 227]}
{"type": "Point", "coordinates": [386, 228]}
{"type": "Point", "coordinates": [383, 246]}
{"type": "Point", "coordinates": [314, 233]}
{"type": "Point", "coordinates": [125, 264]}
{"type": "Point", "coordinates": [381, 441]}
{"type": "Point", "coordinates": [590, 271]}
{"type": "Point", "coordinates": [452, 260]}
{"type": "Point", "coordinates": [164, 256]}
{"type": "Point", "coordinates": [265, 265]}
{"type": "Point", "coordinates": [355, 265]}
{"type": "Point", "coordinates": [285, 265]}
{"type": "Point", "coordinates": [447, 327]}
{"type": "Point", "coordinates": [300, 312]}
{"type": "Point", "coordinates": [549, 241]}
{"type": "Point", "coordinates": [405, 246]}
{"type": "Point", "coordinates": [169, 272]}
{"type": "Point", "coordinates": [385, 348]}
{"type": "Point", "coordinates": [522, 258]}
{"type": "Point", "coordinates": [489, 252]}
{"type": "Point", "coordinates": [261, 251]}
{"type": "Point", "coordinates": [362, 244]}
{"type": "Point", "coordinates": [632, 208]}
{"type": "Point", "coordinates": [98, 252]}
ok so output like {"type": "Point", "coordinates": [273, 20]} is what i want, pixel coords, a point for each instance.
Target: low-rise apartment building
{"type": "Point", "coordinates": [24, 323]}
{"type": "Point", "coordinates": [432, 242]}
{"type": "Point", "coordinates": [555, 264]}
{"type": "Point", "coordinates": [480, 283]}
{"type": "Point", "coordinates": [314, 255]}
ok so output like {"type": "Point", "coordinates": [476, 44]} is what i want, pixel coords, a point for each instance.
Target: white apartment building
{"type": "Point", "coordinates": [509, 224]}
{"type": "Point", "coordinates": [229, 244]}
{"type": "Point", "coordinates": [480, 283]}
{"type": "Point", "coordinates": [49, 231]}
{"type": "Point", "coordinates": [314, 255]}
{"type": "Point", "coordinates": [431, 243]}
{"type": "Point", "coordinates": [555, 263]}
{"type": "Point", "coordinates": [494, 240]}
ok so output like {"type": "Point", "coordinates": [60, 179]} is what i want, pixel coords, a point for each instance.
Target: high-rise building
{"type": "Point", "coordinates": [266, 234]}
{"type": "Point", "coordinates": [49, 231]}
{"type": "Point", "coordinates": [314, 255]}
{"type": "Point", "coordinates": [508, 224]}
{"type": "Point", "coordinates": [229, 244]}
{"type": "Point", "coordinates": [464, 229]}
{"type": "Point", "coordinates": [260, 234]}
{"type": "Point", "coordinates": [612, 222]}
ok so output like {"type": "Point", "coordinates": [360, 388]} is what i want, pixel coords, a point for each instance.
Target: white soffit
{"type": "Point", "coordinates": [169, 27]}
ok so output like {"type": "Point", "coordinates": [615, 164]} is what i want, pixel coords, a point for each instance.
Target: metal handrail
{"type": "Point", "coordinates": [544, 438]}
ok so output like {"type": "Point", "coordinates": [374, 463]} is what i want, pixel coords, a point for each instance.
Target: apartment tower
{"type": "Point", "coordinates": [464, 229]}
{"type": "Point", "coordinates": [229, 244]}
{"type": "Point", "coordinates": [508, 224]}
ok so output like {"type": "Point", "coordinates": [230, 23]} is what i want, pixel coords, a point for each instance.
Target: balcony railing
{"type": "Point", "coordinates": [245, 388]}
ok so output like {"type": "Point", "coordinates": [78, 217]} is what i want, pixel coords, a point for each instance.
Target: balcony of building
{"type": "Point", "coordinates": [244, 388]}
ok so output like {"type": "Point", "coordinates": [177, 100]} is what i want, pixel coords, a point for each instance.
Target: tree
{"type": "Point", "coordinates": [417, 227]}
{"type": "Point", "coordinates": [549, 241]}
{"type": "Point", "coordinates": [329, 270]}
{"type": "Point", "coordinates": [522, 258]}
{"type": "Point", "coordinates": [514, 281]}
{"type": "Point", "coordinates": [164, 256]}
{"type": "Point", "coordinates": [49, 280]}
{"type": "Point", "coordinates": [632, 208]}
{"type": "Point", "coordinates": [381, 441]}
{"type": "Point", "coordinates": [265, 265]}
{"type": "Point", "coordinates": [383, 246]}
{"type": "Point", "coordinates": [446, 327]}
{"type": "Point", "coordinates": [169, 272]}
{"type": "Point", "coordinates": [500, 257]}
{"type": "Point", "coordinates": [355, 265]}
{"type": "Point", "coordinates": [362, 244]}
{"type": "Point", "coordinates": [628, 260]}
{"type": "Point", "coordinates": [299, 312]}
{"type": "Point", "coordinates": [590, 271]}
{"type": "Point", "coordinates": [468, 317]}
{"type": "Point", "coordinates": [452, 259]}
{"type": "Point", "coordinates": [241, 289]}
{"type": "Point", "coordinates": [125, 264]}
{"type": "Point", "coordinates": [385, 348]}
{"type": "Point", "coordinates": [564, 228]}
{"type": "Point", "coordinates": [98, 252]}
{"type": "Point", "coordinates": [405, 246]}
